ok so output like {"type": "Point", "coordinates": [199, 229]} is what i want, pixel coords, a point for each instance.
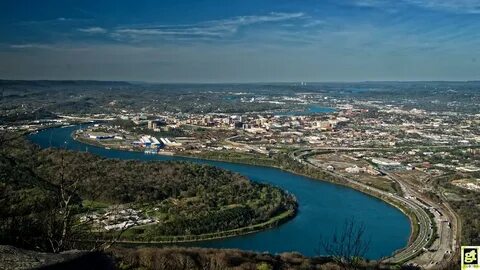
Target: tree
{"type": "Point", "coordinates": [348, 246]}
{"type": "Point", "coordinates": [64, 229]}
{"type": "Point", "coordinates": [41, 212]}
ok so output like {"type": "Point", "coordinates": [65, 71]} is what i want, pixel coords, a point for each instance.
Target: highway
{"type": "Point", "coordinates": [418, 207]}
{"type": "Point", "coordinates": [446, 223]}
{"type": "Point", "coordinates": [347, 148]}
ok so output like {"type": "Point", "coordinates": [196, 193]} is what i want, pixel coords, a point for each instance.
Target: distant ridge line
{"type": "Point", "coordinates": [126, 82]}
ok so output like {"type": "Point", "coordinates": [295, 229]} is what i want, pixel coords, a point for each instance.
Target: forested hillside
{"type": "Point", "coordinates": [40, 186]}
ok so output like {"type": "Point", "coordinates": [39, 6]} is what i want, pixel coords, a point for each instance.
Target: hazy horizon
{"type": "Point", "coordinates": [246, 82]}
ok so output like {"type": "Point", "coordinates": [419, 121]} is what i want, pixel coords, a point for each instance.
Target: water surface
{"type": "Point", "coordinates": [323, 207]}
{"type": "Point", "coordinates": [309, 110]}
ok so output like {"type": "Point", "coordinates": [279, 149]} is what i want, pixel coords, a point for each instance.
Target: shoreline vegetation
{"type": "Point", "coordinates": [333, 180]}
{"type": "Point", "coordinates": [271, 223]}
{"type": "Point", "coordinates": [412, 218]}
{"type": "Point", "coordinates": [292, 167]}
{"type": "Point", "coordinates": [184, 202]}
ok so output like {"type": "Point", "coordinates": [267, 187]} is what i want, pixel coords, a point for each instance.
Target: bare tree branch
{"type": "Point", "coordinates": [347, 246]}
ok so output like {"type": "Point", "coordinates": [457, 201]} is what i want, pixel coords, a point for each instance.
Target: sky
{"type": "Point", "coordinates": [240, 40]}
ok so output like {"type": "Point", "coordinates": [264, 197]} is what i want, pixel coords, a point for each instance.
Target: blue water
{"type": "Point", "coordinates": [323, 207]}
{"type": "Point", "coordinates": [312, 109]}
{"type": "Point", "coordinates": [309, 110]}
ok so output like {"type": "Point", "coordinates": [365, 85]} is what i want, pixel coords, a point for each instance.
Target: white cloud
{"type": "Point", "coordinates": [30, 46]}
{"type": "Point", "coordinates": [64, 19]}
{"type": "Point", "coordinates": [208, 29]}
{"type": "Point", "coordinates": [369, 3]}
{"type": "Point", "coordinates": [93, 30]}
{"type": "Point", "coordinates": [314, 23]}
{"type": "Point", "coordinates": [455, 6]}
{"type": "Point", "coordinates": [458, 6]}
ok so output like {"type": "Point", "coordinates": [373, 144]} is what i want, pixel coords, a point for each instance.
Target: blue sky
{"type": "Point", "coordinates": [240, 41]}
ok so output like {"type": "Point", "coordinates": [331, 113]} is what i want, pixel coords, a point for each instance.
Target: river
{"type": "Point", "coordinates": [308, 110]}
{"type": "Point", "coordinates": [323, 206]}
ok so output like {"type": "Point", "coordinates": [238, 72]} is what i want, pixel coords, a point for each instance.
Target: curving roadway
{"type": "Point", "coordinates": [410, 201]}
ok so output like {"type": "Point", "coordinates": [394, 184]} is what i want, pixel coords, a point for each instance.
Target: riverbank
{"type": "Point", "coordinates": [178, 239]}
{"type": "Point", "coordinates": [327, 177]}
{"type": "Point", "coordinates": [295, 167]}
{"type": "Point", "coordinates": [322, 207]}
{"type": "Point", "coordinates": [272, 219]}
